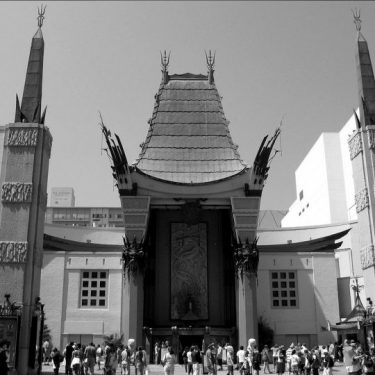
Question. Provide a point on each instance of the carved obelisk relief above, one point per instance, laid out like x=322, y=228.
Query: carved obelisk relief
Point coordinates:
x=361, y=147
x=23, y=180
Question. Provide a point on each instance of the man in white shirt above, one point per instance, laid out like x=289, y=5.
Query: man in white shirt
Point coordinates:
x=241, y=359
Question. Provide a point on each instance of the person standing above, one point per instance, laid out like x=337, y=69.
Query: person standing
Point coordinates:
x=210, y=359
x=230, y=361
x=4, y=352
x=280, y=361
x=219, y=357
x=240, y=359
x=125, y=361
x=196, y=360
x=256, y=360
x=190, y=360
x=275, y=350
x=99, y=355
x=68, y=352
x=169, y=361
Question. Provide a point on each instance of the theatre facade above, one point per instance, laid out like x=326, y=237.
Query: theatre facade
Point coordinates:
x=190, y=268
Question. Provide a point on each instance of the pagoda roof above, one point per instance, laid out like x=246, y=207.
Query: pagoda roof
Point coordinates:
x=188, y=141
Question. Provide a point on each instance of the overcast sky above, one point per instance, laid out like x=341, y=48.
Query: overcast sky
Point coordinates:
x=274, y=60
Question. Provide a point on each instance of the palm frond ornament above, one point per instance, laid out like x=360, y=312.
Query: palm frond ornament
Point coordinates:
x=133, y=258
x=246, y=257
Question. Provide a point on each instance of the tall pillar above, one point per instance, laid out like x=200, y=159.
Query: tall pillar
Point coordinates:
x=132, y=310
x=23, y=181
x=245, y=212
x=136, y=213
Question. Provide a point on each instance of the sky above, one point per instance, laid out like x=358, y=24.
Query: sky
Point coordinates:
x=275, y=61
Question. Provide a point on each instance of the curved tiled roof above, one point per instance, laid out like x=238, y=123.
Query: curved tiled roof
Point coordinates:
x=188, y=140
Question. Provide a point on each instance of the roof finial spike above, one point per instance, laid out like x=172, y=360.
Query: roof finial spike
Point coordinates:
x=164, y=65
x=165, y=60
x=40, y=17
x=357, y=19
x=210, y=59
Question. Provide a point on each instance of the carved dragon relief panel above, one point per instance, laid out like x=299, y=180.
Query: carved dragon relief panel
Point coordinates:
x=189, y=285
x=16, y=192
x=13, y=252
x=367, y=257
x=23, y=137
x=355, y=146
x=361, y=200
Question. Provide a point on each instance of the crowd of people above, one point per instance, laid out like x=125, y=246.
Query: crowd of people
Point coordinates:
x=292, y=360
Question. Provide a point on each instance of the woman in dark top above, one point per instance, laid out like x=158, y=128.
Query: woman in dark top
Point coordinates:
x=4, y=357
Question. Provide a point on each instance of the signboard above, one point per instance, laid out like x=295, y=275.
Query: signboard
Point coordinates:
x=9, y=326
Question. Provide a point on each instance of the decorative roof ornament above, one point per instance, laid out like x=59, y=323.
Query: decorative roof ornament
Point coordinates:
x=41, y=17
x=210, y=59
x=357, y=19
x=164, y=65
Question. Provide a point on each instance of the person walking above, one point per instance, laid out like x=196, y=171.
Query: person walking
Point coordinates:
x=90, y=358
x=140, y=361
x=57, y=358
x=184, y=358
x=169, y=361
x=210, y=359
x=125, y=361
x=77, y=360
x=266, y=359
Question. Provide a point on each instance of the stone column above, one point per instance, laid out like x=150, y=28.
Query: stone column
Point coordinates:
x=247, y=308
x=132, y=310
x=24, y=173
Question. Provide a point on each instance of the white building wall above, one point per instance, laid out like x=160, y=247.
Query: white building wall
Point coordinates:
x=311, y=206
x=326, y=178
x=317, y=296
x=60, y=292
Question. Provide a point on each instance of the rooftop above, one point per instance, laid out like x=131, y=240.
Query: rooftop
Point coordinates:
x=188, y=141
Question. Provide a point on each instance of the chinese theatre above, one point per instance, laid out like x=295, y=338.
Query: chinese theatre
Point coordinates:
x=190, y=209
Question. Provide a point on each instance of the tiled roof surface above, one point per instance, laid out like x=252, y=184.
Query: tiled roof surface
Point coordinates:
x=188, y=140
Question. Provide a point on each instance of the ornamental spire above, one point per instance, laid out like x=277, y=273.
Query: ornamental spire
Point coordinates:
x=365, y=76
x=164, y=65
x=40, y=17
x=210, y=59
x=31, y=105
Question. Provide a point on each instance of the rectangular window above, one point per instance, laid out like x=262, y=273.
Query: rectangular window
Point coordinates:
x=94, y=294
x=284, y=289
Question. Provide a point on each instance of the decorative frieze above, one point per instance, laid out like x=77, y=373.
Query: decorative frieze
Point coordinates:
x=367, y=257
x=23, y=137
x=13, y=252
x=16, y=192
x=355, y=145
x=361, y=200
x=371, y=138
